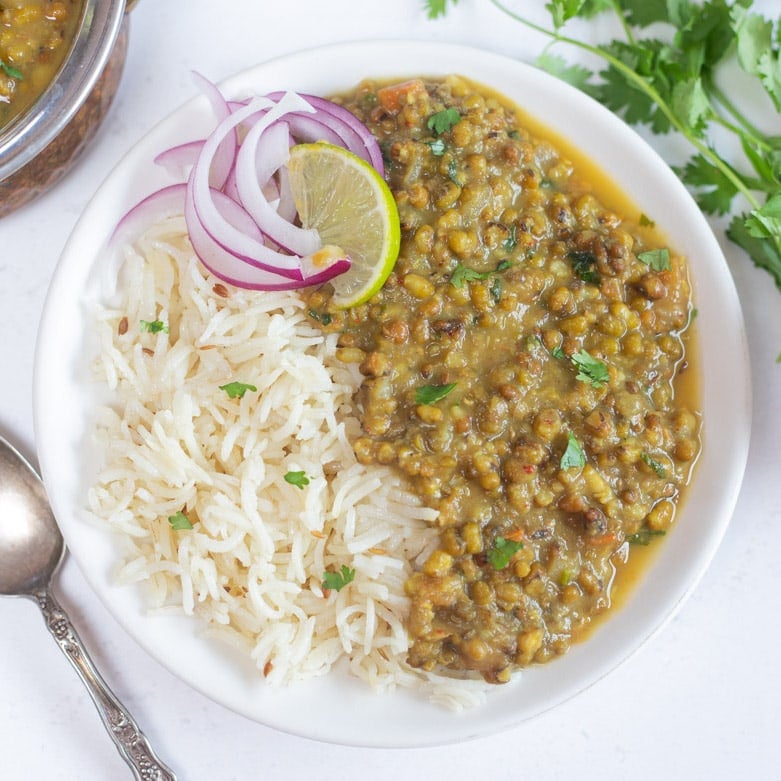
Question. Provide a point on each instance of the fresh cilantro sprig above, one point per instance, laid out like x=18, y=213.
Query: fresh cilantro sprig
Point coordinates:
x=669, y=83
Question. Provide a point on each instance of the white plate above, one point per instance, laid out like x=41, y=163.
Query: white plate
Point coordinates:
x=62, y=401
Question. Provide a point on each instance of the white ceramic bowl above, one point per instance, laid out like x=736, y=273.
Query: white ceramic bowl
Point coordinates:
x=62, y=401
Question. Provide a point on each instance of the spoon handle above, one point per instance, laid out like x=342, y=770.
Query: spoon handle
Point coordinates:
x=131, y=743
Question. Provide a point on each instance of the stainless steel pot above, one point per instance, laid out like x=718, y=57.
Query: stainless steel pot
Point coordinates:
x=39, y=147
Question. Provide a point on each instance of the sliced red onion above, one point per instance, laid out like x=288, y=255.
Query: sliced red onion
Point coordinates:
x=178, y=159
x=160, y=205
x=237, y=201
x=249, y=249
x=228, y=267
x=264, y=151
x=224, y=157
x=357, y=137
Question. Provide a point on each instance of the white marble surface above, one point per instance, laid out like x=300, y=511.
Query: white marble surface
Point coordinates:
x=700, y=701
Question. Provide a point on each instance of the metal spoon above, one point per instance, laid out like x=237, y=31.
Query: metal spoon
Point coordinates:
x=31, y=549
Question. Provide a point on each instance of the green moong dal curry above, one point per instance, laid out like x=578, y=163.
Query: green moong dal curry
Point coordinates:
x=527, y=367
x=35, y=38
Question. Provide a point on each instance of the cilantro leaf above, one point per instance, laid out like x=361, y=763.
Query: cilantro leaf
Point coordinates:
x=336, y=581
x=713, y=190
x=501, y=553
x=756, y=53
x=653, y=464
x=236, y=390
x=297, y=478
x=153, y=326
x=644, y=536
x=443, y=120
x=590, y=369
x=765, y=222
x=643, y=13
x=657, y=259
x=573, y=456
x=646, y=221
x=583, y=263
x=563, y=10
x=764, y=252
x=511, y=242
x=576, y=75
x=437, y=146
x=322, y=317
x=462, y=274
x=691, y=104
x=452, y=173
x=179, y=521
x=557, y=352
x=10, y=71
x=429, y=394
x=436, y=8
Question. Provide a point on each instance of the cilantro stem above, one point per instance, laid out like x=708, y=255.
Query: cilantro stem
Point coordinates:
x=746, y=128
x=639, y=82
x=627, y=29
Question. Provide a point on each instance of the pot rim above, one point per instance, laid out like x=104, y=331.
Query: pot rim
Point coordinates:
x=27, y=135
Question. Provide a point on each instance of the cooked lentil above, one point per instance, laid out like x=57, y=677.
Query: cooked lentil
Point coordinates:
x=557, y=427
x=35, y=37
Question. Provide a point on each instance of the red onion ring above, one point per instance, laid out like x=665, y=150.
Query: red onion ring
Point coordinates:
x=237, y=203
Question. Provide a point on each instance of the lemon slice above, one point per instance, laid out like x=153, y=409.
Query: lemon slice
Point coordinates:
x=347, y=201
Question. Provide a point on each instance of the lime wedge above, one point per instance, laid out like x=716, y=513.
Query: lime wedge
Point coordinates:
x=347, y=201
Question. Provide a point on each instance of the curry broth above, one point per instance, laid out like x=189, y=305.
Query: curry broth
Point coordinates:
x=35, y=38
x=516, y=267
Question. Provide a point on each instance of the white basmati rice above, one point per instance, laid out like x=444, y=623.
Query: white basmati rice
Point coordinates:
x=251, y=568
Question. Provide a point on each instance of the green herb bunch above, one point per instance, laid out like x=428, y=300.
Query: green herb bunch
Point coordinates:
x=669, y=83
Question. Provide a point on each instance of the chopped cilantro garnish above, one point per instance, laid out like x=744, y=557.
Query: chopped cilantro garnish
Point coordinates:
x=153, y=326
x=583, y=263
x=646, y=221
x=452, y=173
x=510, y=243
x=437, y=147
x=179, y=521
x=428, y=394
x=297, y=478
x=10, y=71
x=443, y=121
x=336, y=581
x=502, y=552
x=590, y=369
x=557, y=352
x=321, y=317
x=236, y=390
x=495, y=289
x=653, y=464
x=573, y=455
x=463, y=273
x=644, y=536
x=657, y=259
